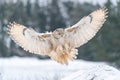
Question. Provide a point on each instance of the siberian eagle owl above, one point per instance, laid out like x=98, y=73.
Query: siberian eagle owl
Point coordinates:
x=60, y=45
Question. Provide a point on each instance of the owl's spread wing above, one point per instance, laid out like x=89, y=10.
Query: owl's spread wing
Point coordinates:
x=29, y=39
x=86, y=28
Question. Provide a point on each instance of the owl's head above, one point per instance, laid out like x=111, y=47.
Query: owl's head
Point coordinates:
x=58, y=33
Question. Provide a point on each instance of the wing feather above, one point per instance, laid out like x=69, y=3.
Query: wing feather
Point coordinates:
x=86, y=28
x=29, y=39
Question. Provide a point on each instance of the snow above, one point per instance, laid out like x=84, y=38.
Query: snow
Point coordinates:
x=33, y=69
x=97, y=72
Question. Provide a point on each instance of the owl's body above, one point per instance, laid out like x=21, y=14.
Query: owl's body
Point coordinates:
x=60, y=44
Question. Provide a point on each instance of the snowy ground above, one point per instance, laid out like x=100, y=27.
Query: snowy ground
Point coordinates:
x=34, y=69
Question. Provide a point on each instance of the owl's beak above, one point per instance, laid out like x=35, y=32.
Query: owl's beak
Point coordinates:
x=62, y=35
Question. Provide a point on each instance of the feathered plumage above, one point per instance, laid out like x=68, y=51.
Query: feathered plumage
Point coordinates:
x=60, y=44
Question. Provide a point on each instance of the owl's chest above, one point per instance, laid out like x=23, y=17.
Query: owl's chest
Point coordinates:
x=59, y=41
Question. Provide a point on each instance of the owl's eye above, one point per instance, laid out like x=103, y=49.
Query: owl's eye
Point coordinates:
x=58, y=33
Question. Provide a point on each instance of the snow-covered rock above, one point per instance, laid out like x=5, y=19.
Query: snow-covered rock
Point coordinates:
x=97, y=72
x=34, y=69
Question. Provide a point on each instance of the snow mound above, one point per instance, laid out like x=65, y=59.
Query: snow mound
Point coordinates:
x=96, y=72
x=34, y=69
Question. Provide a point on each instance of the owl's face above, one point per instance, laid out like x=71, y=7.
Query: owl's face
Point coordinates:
x=58, y=33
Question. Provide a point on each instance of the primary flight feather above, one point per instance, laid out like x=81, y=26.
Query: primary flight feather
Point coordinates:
x=60, y=44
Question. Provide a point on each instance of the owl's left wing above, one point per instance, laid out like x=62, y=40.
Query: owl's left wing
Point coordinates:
x=86, y=28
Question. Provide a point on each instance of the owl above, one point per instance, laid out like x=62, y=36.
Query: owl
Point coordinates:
x=61, y=44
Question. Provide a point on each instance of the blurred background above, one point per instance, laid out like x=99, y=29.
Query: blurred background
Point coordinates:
x=47, y=15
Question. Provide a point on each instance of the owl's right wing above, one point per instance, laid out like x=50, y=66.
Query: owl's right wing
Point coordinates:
x=29, y=39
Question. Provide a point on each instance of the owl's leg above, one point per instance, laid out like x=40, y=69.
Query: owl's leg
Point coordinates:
x=63, y=59
x=61, y=55
x=58, y=56
x=71, y=52
x=68, y=55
